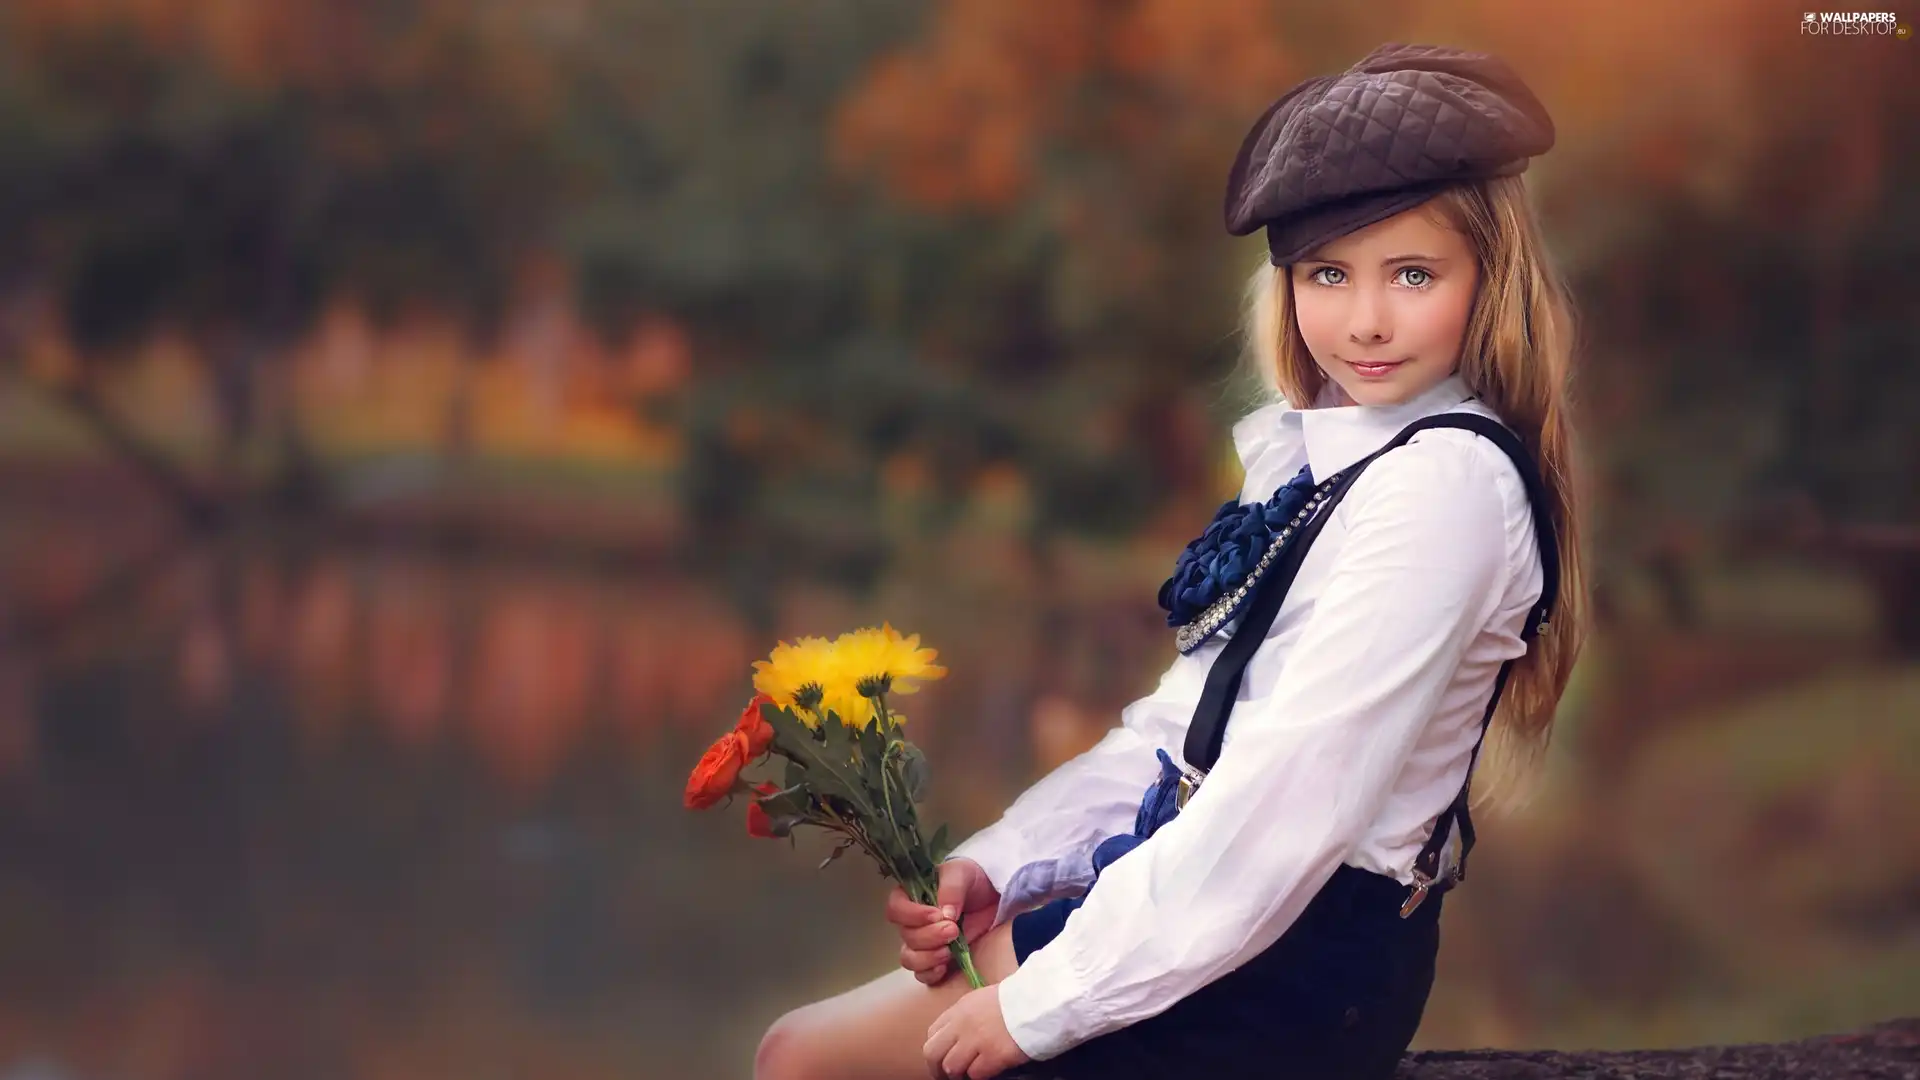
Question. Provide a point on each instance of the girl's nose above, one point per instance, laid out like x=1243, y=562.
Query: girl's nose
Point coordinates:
x=1368, y=324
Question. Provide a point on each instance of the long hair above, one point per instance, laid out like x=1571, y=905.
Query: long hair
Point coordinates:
x=1516, y=356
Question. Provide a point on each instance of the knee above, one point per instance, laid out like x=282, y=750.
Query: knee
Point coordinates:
x=786, y=1051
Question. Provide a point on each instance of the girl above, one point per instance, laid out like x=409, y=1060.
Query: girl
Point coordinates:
x=1374, y=602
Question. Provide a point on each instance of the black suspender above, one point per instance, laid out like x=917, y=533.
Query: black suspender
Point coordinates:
x=1208, y=729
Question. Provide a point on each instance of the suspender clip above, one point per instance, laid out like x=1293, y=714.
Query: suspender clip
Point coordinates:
x=1421, y=883
x=1189, y=783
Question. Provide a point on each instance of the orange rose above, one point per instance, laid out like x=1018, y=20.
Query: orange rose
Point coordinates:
x=759, y=733
x=758, y=823
x=719, y=769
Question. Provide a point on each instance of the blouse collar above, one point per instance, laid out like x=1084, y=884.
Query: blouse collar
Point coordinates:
x=1335, y=436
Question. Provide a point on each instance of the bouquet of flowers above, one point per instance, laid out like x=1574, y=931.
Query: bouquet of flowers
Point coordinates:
x=821, y=707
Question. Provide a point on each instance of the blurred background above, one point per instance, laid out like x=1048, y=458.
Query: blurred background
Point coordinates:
x=415, y=415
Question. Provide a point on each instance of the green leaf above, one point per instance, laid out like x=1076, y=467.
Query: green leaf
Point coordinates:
x=873, y=743
x=937, y=847
x=839, y=740
x=824, y=759
x=904, y=821
x=792, y=802
x=835, y=853
x=913, y=767
x=783, y=824
x=790, y=806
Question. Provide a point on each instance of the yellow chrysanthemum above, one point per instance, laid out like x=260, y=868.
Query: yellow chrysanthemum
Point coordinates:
x=885, y=660
x=847, y=704
x=803, y=675
x=817, y=676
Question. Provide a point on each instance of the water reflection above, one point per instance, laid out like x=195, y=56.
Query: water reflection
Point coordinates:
x=306, y=812
x=276, y=805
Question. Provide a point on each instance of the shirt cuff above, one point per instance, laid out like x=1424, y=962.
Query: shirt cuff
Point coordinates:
x=999, y=856
x=1021, y=884
x=1045, y=1006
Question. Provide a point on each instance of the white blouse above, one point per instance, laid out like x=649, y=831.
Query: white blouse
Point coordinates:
x=1350, y=735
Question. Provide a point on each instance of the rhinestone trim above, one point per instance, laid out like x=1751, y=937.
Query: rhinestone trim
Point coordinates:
x=1189, y=636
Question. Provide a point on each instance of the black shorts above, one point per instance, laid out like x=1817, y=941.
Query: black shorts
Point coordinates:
x=1340, y=995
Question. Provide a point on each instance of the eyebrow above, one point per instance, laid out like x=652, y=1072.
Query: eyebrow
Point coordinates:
x=1384, y=262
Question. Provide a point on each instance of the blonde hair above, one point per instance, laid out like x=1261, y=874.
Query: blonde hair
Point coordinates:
x=1515, y=356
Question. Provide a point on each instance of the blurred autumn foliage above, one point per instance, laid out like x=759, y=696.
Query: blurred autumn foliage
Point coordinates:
x=415, y=414
x=980, y=232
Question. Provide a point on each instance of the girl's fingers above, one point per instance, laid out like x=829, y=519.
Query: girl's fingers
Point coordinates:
x=902, y=911
x=959, y=1059
x=929, y=937
x=939, y=1041
x=919, y=960
x=932, y=976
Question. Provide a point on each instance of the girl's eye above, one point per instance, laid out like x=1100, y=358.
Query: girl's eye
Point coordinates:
x=1422, y=281
x=1317, y=279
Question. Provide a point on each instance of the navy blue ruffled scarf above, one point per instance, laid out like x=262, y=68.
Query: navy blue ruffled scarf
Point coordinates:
x=1216, y=562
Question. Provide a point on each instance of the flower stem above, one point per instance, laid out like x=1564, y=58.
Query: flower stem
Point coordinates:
x=926, y=892
x=964, y=957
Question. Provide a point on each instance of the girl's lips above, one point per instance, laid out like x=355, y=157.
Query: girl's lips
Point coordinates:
x=1374, y=370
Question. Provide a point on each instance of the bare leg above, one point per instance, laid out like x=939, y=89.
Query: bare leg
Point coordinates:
x=875, y=1031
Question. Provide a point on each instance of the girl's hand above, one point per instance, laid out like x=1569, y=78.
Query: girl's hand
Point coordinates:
x=970, y=1039
x=967, y=901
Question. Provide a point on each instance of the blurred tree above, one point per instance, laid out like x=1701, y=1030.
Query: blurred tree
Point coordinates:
x=224, y=185
x=970, y=232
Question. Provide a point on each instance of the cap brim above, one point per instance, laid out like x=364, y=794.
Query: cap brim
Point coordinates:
x=1292, y=239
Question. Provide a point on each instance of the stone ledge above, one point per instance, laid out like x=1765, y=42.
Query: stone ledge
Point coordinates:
x=1885, y=1051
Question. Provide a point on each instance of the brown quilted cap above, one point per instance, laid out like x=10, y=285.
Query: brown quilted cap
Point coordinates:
x=1340, y=152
